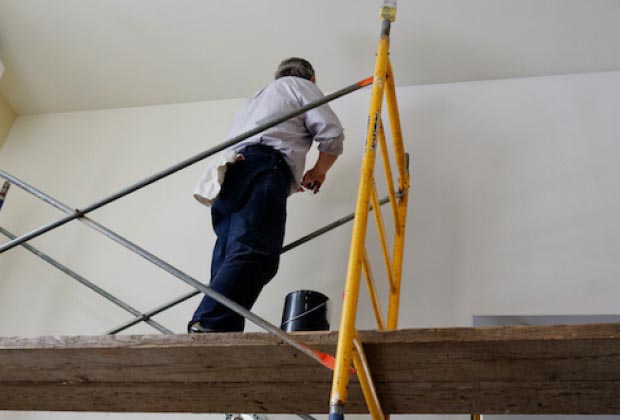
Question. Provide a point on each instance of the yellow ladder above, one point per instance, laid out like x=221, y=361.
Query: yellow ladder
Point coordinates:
x=350, y=349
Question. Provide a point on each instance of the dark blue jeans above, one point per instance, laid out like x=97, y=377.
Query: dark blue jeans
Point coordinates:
x=248, y=218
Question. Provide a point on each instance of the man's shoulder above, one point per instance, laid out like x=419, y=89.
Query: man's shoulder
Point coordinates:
x=289, y=88
x=296, y=83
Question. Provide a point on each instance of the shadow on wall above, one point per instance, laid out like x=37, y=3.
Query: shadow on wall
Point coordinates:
x=7, y=117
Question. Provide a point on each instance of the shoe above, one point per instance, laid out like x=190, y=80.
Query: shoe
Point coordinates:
x=196, y=328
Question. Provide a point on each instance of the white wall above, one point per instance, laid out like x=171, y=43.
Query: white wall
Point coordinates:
x=514, y=208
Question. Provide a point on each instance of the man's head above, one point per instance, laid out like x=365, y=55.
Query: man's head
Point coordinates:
x=295, y=66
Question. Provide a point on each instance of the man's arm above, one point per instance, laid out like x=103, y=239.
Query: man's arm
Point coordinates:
x=314, y=178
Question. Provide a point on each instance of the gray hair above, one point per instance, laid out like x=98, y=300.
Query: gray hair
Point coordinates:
x=295, y=66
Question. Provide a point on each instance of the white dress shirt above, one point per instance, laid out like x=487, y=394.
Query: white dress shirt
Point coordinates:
x=292, y=138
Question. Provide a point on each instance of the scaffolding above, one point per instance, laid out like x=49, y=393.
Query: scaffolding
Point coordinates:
x=350, y=350
x=537, y=370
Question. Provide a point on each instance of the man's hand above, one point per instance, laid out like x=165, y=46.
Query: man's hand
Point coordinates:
x=314, y=178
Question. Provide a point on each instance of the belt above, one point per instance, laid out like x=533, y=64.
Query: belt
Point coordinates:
x=270, y=150
x=260, y=148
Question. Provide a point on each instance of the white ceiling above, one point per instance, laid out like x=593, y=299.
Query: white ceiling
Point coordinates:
x=66, y=55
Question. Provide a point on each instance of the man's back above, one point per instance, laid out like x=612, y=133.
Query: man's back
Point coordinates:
x=292, y=138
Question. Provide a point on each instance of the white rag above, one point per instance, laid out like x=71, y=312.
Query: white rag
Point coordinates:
x=210, y=183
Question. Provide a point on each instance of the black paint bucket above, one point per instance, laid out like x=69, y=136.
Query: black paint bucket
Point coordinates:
x=305, y=310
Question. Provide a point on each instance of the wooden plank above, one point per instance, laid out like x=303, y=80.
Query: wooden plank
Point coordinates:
x=535, y=370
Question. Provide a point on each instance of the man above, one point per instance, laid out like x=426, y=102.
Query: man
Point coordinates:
x=250, y=212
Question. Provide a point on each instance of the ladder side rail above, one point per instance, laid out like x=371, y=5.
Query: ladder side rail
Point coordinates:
x=344, y=350
x=395, y=128
x=402, y=160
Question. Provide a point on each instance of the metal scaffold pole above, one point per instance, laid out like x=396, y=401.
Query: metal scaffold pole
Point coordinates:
x=75, y=214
